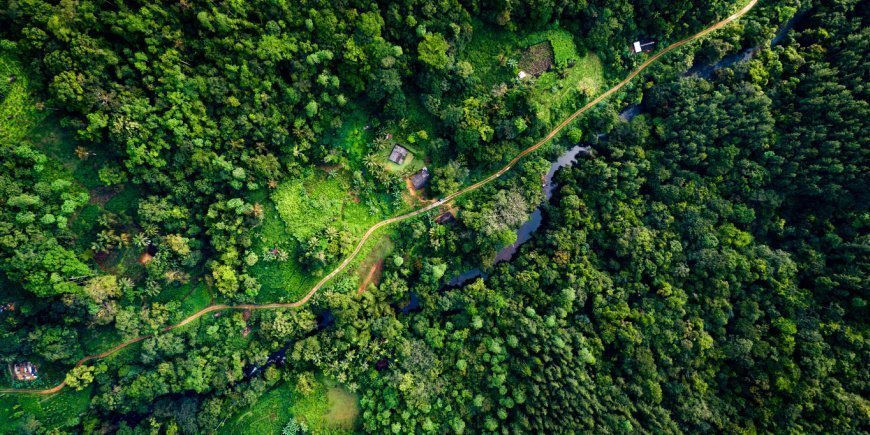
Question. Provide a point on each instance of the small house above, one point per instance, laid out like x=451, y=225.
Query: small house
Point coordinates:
x=445, y=218
x=643, y=46
x=419, y=179
x=522, y=75
x=398, y=154
x=24, y=371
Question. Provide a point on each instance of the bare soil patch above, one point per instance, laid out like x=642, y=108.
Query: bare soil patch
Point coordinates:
x=537, y=59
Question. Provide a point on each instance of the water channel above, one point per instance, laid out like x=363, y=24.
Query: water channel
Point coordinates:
x=524, y=233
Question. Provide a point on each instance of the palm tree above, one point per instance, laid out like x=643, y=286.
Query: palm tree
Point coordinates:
x=124, y=239
x=82, y=153
x=150, y=229
x=141, y=240
x=125, y=284
x=98, y=246
x=371, y=161
x=257, y=210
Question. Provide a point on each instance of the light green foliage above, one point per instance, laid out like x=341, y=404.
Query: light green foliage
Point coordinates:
x=324, y=409
x=60, y=410
x=432, y=51
x=80, y=377
x=312, y=204
x=556, y=95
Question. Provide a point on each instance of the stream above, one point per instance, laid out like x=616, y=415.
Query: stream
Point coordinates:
x=705, y=71
x=324, y=320
x=524, y=233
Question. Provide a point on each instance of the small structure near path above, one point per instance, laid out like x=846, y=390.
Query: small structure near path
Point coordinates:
x=420, y=179
x=642, y=46
x=398, y=154
x=24, y=371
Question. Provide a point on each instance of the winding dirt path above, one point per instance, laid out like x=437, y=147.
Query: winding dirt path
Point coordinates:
x=409, y=215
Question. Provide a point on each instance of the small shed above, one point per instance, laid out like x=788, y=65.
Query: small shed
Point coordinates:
x=445, y=218
x=643, y=46
x=419, y=179
x=522, y=75
x=24, y=371
x=398, y=154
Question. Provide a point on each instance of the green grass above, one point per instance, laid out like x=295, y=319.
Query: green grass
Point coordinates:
x=17, y=103
x=562, y=42
x=281, y=282
x=53, y=412
x=311, y=204
x=555, y=94
x=328, y=409
x=193, y=297
x=414, y=161
x=295, y=211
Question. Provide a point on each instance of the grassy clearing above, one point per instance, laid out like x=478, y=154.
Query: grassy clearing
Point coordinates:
x=307, y=206
x=343, y=408
x=56, y=411
x=380, y=248
x=193, y=297
x=297, y=210
x=554, y=92
x=562, y=43
x=328, y=409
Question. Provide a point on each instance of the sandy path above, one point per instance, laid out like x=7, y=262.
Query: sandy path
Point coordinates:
x=414, y=213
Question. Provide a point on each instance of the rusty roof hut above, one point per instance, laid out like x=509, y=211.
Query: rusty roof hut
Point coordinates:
x=420, y=179
x=24, y=371
x=398, y=154
x=445, y=218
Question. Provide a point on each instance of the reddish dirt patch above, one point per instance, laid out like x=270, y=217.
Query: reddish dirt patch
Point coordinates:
x=416, y=193
x=101, y=195
x=145, y=258
x=327, y=168
x=374, y=277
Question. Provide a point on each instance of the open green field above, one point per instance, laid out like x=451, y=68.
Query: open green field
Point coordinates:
x=353, y=138
x=297, y=210
x=53, y=412
x=574, y=75
x=327, y=409
x=553, y=91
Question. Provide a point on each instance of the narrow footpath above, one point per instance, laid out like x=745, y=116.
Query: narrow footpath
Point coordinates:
x=383, y=223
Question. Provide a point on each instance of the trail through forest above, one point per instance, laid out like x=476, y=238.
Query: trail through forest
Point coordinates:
x=552, y=134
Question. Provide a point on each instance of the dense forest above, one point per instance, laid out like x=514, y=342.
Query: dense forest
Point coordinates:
x=701, y=265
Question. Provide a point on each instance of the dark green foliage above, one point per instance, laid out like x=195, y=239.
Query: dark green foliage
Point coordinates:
x=703, y=270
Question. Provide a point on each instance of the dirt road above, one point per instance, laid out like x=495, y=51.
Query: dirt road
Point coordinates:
x=414, y=213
